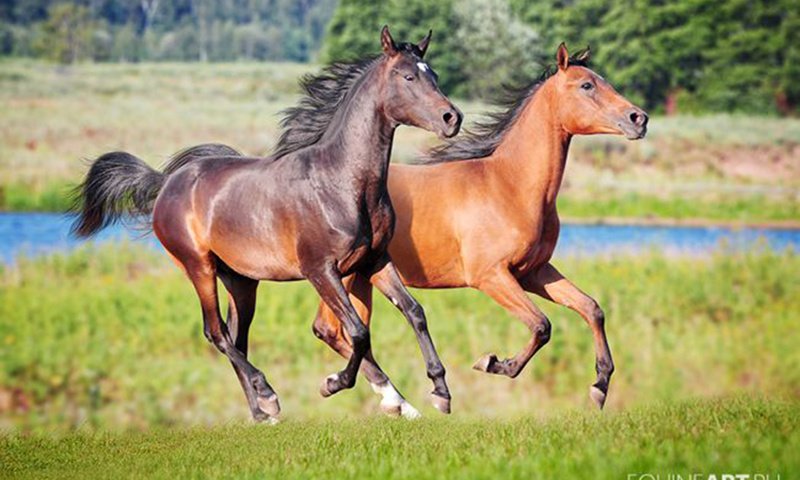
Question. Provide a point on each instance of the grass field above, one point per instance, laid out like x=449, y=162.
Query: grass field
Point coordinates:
x=731, y=436
x=114, y=341
x=718, y=167
x=105, y=372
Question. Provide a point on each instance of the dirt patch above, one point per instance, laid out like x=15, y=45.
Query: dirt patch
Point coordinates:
x=683, y=159
x=765, y=164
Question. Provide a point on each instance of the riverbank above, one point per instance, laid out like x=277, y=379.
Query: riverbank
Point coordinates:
x=35, y=234
x=791, y=224
x=612, y=208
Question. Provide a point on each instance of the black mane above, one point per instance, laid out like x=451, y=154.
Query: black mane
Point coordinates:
x=304, y=124
x=484, y=138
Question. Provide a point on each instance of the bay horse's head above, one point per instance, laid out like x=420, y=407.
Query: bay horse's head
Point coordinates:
x=587, y=104
x=411, y=91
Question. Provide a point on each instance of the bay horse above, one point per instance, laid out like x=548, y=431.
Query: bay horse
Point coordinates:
x=317, y=209
x=480, y=212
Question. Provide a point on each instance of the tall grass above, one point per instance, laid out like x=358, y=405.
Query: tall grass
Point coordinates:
x=53, y=117
x=113, y=339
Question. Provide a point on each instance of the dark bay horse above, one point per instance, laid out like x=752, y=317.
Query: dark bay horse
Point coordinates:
x=481, y=212
x=318, y=208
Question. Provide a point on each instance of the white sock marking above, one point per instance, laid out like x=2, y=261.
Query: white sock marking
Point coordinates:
x=392, y=398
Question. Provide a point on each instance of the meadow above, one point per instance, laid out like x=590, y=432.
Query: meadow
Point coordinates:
x=114, y=340
x=105, y=372
x=703, y=438
x=718, y=167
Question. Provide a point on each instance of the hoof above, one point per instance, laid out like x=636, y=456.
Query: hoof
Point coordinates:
x=270, y=406
x=485, y=363
x=261, y=418
x=440, y=403
x=392, y=410
x=404, y=410
x=408, y=411
x=329, y=386
x=598, y=396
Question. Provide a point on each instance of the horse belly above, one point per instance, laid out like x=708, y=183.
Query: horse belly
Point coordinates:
x=427, y=264
x=265, y=263
x=258, y=252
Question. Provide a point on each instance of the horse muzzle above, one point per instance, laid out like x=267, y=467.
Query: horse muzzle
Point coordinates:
x=634, y=124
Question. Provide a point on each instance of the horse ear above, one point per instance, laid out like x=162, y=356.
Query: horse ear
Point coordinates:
x=387, y=42
x=423, y=44
x=585, y=55
x=562, y=57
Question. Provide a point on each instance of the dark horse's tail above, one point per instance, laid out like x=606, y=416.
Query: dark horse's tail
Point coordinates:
x=119, y=184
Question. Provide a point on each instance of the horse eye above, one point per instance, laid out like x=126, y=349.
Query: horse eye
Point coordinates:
x=587, y=86
x=410, y=78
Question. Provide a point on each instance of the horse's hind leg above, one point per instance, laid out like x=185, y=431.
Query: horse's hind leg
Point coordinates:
x=241, y=308
x=548, y=283
x=505, y=290
x=202, y=273
x=328, y=329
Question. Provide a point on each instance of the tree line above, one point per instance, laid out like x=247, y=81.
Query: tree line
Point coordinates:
x=684, y=56
x=177, y=30
x=669, y=56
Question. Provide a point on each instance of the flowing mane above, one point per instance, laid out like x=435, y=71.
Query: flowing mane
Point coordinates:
x=304, y=124
x=484, y=138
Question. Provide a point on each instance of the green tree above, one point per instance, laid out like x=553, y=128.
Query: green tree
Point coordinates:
x=125, y=46
x=693, y=55
x=499, y=47
x=745, y=69
x=476, y=45
x=67, y=33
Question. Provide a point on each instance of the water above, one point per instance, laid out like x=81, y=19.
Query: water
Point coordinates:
x=34, y=234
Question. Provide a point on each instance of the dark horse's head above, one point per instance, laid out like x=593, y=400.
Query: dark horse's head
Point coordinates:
x=413, y=96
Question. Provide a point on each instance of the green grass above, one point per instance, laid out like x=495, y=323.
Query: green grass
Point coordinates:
x=104, y=372
x=55, y=116
x=729, y=436
x=114, y=341
x=752, y=208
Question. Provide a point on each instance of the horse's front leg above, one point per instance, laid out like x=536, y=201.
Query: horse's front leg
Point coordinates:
x=328, y=329
x=387, y=280
x=548, y=283
x=328, y=282
x=506, y=291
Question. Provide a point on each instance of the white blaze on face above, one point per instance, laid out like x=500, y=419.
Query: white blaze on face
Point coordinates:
x=423, y=66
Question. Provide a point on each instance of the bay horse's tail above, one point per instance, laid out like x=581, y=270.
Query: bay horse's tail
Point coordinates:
x=119, y=184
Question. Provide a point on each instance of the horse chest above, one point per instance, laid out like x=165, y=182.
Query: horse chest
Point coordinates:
x=372, y=238
x=381, y=226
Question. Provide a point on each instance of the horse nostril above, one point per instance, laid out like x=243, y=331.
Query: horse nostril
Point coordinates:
x=638, y=118
x=448, y=118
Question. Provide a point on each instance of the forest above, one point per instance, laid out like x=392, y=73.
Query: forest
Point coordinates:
x=691, y=56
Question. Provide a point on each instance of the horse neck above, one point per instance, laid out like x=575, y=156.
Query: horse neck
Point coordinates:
x=361, y=135
x=533, y=153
